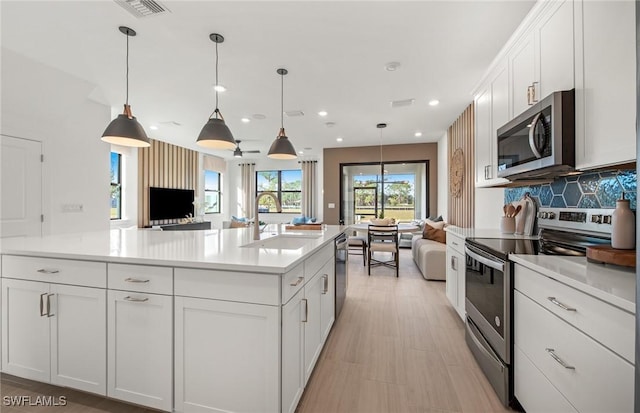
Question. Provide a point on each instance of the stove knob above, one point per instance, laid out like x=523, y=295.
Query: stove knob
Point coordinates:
x=606, y=219
x=542, y=215
x=551, y=215
x=596, y=219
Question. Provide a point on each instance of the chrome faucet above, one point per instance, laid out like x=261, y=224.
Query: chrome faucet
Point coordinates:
x=256, y=223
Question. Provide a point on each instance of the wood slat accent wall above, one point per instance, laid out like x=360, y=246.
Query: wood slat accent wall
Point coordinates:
x=167, y=166
x=462, y=135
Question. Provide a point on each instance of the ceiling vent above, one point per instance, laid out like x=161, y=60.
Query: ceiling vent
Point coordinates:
x=401, y=103
x=294, y=113
x=142, y=8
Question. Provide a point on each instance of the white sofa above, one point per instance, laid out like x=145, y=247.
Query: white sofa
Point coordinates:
x=430, y=256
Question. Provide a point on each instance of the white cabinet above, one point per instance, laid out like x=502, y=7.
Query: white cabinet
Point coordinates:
x=570, y=347
x=312, y=327
x=541, y=62
x=55, y=333
x=605, y=83
x=455, y=287
x=491, y=112
x=328, y=299
x=293, y=377
x=227, y=356
x=140, y=358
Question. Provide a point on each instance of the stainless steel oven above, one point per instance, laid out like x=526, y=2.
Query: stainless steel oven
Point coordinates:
x=488, y=306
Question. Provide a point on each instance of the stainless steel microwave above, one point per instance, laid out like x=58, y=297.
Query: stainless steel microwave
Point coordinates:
x=540, y=143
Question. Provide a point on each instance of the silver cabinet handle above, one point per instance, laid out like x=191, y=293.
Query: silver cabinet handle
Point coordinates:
x=453, y=263
x=533, y=93
x=305, y=310
x=135, y=280
x=42, y=313
x=530, y=95
x=559, y=304
x=135, y=300
x=46, y=271
x=454, y=243
x=298, y=281
x=325, y=284
x=49, y=305
x=487, y=170
x=558, y=359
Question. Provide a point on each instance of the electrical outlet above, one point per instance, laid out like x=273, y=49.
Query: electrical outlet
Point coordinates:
x=331, y=205
x=72, y=208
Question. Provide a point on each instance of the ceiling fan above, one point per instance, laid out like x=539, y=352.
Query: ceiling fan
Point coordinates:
x=237, y=152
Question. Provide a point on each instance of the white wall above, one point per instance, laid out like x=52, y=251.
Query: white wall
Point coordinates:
x=232, y=199
x=44, y=104
x=489, y=203
x=443, y=176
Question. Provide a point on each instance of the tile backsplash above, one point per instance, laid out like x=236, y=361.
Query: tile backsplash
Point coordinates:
x=592, y=190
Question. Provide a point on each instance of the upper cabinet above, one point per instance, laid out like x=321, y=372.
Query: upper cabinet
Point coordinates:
x=605, y=83
x=562, y=45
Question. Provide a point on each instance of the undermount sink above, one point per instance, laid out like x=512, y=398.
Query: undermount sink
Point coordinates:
x=282, y=242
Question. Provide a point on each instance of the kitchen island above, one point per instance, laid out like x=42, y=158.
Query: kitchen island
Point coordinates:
x=183, y=321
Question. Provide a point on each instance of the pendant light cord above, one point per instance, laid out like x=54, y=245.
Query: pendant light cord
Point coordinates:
x=282, y=101
x=127, y=98
x=216, y=86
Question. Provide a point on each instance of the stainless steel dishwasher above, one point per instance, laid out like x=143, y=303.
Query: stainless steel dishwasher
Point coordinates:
x=342, y=268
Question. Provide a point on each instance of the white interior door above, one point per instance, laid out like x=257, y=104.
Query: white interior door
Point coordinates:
x=20, y=187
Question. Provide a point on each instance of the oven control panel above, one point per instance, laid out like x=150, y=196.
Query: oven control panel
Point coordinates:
x=590, y=220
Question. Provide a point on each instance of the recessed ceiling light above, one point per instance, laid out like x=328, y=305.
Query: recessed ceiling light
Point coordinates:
x=307, y=148
x=300, y=152
x=245, y=120
x=322, y=113
x=330, y=124
x=258, y=116
x=434, y=102
x=219, y=88
x=338, y=139
x=392, y=66
x=153, y=127
x=417, y=134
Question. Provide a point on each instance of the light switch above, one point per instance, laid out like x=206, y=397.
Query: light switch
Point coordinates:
x=331, y=205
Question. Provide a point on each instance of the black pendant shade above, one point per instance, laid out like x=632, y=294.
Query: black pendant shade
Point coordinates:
x=282, y=148
x=215, y=134
x=125, y=129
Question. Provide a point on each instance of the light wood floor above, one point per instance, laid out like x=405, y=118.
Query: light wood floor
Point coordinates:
x=398, y=346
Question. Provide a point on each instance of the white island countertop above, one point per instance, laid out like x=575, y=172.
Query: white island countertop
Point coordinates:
x=484, y=233
x=209, y=249
x=611, y=284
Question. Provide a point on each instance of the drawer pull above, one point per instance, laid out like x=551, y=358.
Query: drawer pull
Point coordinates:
x=135, y=280
x=135, y=300
x=454, y=243
x=559, y=304
x=46, y=271
x=298, y=281
x=558, y=359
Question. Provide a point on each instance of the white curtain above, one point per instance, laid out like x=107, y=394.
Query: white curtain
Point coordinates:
x=309, y=183
x=248, y=188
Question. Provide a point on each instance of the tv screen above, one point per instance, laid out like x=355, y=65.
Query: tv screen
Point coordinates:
x=168, y=203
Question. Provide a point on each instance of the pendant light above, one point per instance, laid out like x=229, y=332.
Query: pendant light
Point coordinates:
x=215, y=134
x=282, y=148
x=125, y=129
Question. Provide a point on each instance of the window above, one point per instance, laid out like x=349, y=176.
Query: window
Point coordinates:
x=116, y=185
x=212, y=194
x=287, y=185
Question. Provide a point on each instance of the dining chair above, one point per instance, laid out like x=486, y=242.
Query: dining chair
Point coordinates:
x=358, y=246
x=383, y=238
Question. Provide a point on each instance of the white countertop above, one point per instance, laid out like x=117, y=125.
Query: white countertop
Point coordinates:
x=484, y=233
x=210, y=249
x=614, y=285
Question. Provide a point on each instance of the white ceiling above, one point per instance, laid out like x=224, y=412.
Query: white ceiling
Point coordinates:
x=335, y=51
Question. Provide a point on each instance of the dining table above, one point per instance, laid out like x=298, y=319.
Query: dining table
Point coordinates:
x=402, y=227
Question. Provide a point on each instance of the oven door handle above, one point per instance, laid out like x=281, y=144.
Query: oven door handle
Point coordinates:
x=498, y=265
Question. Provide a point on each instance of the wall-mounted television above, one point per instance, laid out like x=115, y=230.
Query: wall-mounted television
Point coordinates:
x=169, y=203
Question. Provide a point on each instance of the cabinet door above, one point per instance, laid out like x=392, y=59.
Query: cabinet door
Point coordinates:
x=483, y=135
x=312, y=327
x=499, y=116
x=452, y=278
x=292, y=352
x=327, y=299
x=459, y=263
x=605, y=84
x=140, y=348
x=556, y=51
x=25, y=329
x=227, y=356
x=78, y=337
x=522, y=65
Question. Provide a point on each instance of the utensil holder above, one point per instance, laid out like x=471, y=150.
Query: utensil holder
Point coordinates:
x=507, y=225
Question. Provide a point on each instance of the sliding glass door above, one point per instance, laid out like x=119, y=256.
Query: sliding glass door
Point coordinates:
x=394, y=190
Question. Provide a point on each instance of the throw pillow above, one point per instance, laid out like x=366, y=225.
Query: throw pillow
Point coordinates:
x=237, y=219
x=436, y=219
x=299, y=220
x=434, y=234
x=435, y=224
